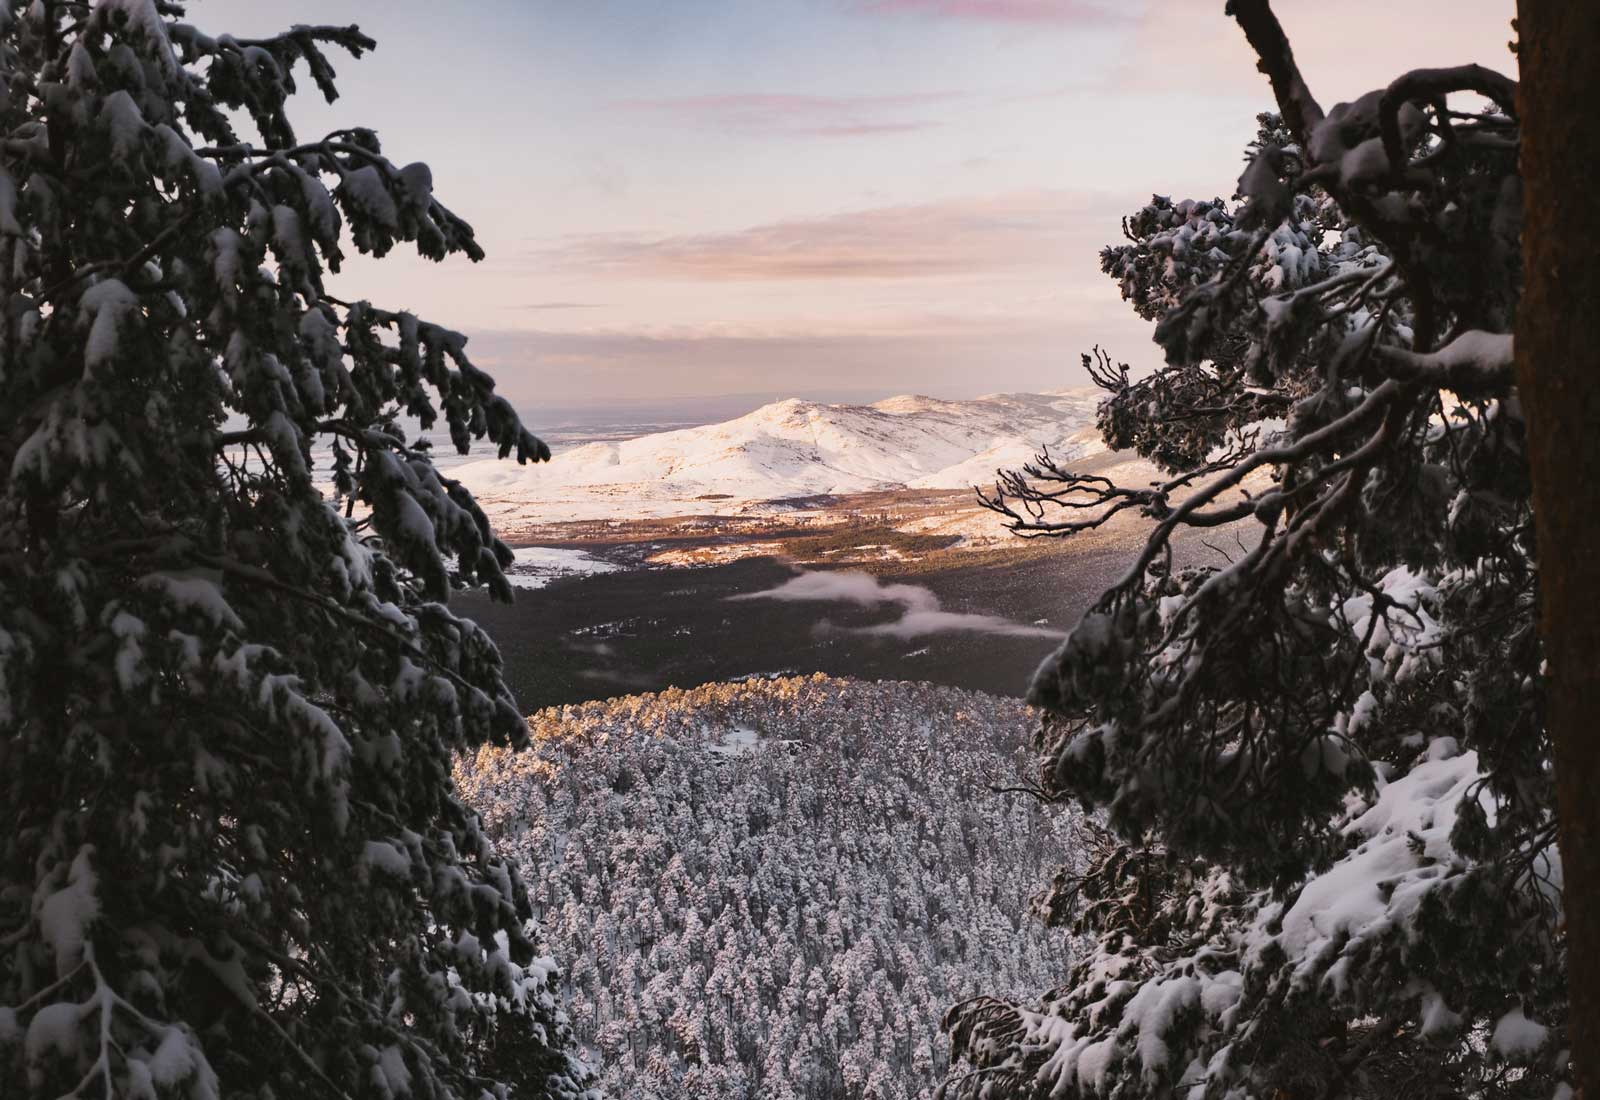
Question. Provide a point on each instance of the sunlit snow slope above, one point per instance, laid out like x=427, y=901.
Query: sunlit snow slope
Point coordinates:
x=794, y=449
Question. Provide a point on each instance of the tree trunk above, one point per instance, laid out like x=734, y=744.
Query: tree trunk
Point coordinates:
x=1558, y=375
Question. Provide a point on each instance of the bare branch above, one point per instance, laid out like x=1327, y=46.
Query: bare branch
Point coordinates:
x=1301, y=112
x=1433, y=85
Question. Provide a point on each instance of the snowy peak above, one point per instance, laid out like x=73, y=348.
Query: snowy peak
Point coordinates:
x=797, y=448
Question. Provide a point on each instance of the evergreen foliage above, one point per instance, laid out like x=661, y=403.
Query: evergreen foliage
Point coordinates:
x=1331, y=866
x=232, y=863
x=773, y=888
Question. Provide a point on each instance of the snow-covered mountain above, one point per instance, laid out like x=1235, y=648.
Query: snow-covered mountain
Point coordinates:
x=794, y=449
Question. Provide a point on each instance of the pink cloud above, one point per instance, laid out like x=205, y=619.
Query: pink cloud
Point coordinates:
x=535, y=368
x=1003, y=11
x=803, y=115
x=1344, y=49
x=864, y=129
x=963, y=237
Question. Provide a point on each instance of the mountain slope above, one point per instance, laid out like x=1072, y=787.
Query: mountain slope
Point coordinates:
x=800, y=448
x=775, y=888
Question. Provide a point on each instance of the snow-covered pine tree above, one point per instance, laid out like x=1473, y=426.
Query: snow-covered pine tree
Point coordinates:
x=1321, y=755
x=231, y=862
x=774, y=888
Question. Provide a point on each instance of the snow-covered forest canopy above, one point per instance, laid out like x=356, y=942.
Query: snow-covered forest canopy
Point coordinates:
x=1324, y=757
x=775, y=888
x=232, y=863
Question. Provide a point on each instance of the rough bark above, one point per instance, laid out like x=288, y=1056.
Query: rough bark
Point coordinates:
x=1558, y=374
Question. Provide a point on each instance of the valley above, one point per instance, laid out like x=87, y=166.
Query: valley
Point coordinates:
x=645, y=630
x=774, y=693
x=654, y=593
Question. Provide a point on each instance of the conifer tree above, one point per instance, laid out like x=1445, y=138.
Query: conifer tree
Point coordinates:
x=825, y=920
x=1312, y=708
x=231, y=862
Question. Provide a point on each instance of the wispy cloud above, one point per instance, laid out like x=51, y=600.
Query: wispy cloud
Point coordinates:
x=955, y=237
x=865, y=129
x=920, y=612
x=795, y=115
x=811, y=345
x=815, y=353
x=1004, y=11
x=559, y=305
x=1176, y=50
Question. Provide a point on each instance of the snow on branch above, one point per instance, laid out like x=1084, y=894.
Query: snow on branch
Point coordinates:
x=1472, y=363
x=220, y=692
x=1326, y=722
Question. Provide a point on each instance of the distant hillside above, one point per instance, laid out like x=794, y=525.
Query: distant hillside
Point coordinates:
x=794, y=449
x=775, y=888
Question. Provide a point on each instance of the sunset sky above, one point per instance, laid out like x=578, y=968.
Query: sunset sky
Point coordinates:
x=839, y=199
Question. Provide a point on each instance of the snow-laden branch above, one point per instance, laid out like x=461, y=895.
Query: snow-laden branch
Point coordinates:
x=1474, y=362
x=1271, y=718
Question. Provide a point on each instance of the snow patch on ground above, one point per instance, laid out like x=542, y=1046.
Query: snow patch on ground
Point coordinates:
x=738, y=740
x=537, y=566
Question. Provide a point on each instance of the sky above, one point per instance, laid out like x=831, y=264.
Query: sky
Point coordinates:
x=697, y=202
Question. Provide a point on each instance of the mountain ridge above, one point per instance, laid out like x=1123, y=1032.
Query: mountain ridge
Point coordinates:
x=798, y=448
